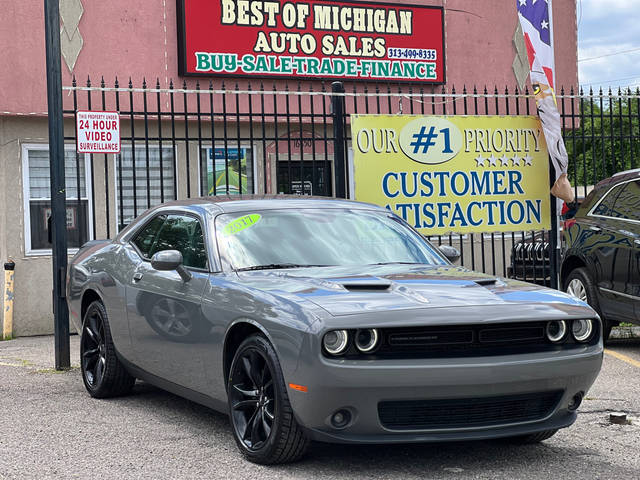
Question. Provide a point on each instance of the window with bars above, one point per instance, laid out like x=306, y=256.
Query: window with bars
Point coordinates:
x=38, y=198
x=226, y=171
x=154, y=177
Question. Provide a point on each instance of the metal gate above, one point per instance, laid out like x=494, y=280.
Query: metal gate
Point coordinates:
x=196, y=140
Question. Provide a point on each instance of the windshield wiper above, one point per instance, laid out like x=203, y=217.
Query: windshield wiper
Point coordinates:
x=397, y=263
x=276, y=266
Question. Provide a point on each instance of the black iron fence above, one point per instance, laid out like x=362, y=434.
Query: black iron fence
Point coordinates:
x=196, y=140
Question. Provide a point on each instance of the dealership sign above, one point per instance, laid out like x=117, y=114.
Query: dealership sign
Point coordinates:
x=97, y=132
x=454, y=174
x=313, y=39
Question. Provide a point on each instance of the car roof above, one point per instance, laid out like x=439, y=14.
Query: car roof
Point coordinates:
x=618, y=178
x=240, y=203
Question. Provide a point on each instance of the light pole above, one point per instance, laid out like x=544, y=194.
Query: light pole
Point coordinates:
x=58, y=193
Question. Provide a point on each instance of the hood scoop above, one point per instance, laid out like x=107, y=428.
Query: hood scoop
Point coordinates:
x=485, y=282
x=367, y=285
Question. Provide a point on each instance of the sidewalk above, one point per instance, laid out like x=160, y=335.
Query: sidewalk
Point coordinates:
x=36, y=352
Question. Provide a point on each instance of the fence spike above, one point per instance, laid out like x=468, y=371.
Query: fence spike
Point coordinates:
x=184, y=84
x=210, y=84
x=102, y=82
x=197, y=84
x=495, y=89
x=88, y=81
x=157, y=83
x=73, y=81
x=170, y=84
x=116, y=84
x=144, y=83
x=130, y=83
x=581, y=91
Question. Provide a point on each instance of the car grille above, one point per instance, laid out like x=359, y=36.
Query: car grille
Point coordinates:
x=536, y=251
x=464, y=340
x=467, y=412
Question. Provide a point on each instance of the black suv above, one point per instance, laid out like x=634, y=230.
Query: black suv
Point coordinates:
x=601, y=263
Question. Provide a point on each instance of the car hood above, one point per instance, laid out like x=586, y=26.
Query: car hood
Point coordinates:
x=354, y=290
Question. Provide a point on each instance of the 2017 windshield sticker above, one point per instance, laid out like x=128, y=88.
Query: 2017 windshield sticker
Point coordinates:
x=241, y=223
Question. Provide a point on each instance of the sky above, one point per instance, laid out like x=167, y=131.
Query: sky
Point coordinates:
x=610, y=31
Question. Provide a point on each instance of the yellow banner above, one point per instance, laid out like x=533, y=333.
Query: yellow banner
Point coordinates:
x=454, y=174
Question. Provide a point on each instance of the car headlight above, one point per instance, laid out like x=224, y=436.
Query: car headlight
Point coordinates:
x=336, y=341
x=556, y=330
x=582, y=329
x=367, y=339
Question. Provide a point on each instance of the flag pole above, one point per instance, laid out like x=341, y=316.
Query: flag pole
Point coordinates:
x=555, y=218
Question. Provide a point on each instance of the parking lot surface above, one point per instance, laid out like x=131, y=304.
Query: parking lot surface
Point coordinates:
x=51, y=428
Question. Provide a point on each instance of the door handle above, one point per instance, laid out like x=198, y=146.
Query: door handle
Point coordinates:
x=137, y=276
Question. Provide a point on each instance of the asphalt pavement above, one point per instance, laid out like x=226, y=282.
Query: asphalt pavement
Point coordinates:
x=51, y=428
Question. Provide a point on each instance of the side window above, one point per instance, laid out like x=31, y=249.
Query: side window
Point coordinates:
x=605, y=207
x=147, y=236
x=183, y=233
x=628, y=202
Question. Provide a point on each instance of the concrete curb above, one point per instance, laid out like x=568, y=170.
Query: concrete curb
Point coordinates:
x=625, y=332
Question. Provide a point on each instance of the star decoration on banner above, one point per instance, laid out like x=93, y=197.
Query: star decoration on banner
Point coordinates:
x=528, y=160
x=492, y=160
x=516, y=161
x=544, y=24
x=504, y=160
x=479, y=161
x=523, y=2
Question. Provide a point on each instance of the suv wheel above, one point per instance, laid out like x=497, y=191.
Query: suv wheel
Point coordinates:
x=579, y=285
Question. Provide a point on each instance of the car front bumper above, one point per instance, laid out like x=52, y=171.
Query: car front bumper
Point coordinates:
x=359, y=386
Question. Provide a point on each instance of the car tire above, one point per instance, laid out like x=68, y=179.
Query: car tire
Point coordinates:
x=261, y=416
x=579, y=278
x=535, y=437
x=103, y=374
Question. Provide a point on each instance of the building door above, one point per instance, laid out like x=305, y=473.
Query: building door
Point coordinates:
x=305, y=178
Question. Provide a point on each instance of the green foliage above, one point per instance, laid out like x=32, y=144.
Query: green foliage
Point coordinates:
x=607, y=137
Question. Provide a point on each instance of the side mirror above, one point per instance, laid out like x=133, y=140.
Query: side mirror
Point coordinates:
x=452, y=253
x=169, y=260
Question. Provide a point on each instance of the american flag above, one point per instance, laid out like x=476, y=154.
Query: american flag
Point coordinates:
x=534, y=19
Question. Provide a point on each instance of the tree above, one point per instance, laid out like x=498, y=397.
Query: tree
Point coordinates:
x=607, y=140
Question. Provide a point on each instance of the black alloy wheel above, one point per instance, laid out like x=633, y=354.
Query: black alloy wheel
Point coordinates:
x=102, y=373
x=252, y=399
x=261, y=416
x=93, y=349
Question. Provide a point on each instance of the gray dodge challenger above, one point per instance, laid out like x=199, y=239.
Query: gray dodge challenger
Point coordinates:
x=330, y=320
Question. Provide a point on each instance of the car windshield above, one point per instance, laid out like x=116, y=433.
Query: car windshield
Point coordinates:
x=313, y=237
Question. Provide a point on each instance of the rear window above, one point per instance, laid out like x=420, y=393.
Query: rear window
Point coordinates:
x=605, y=206
x=627, y=202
